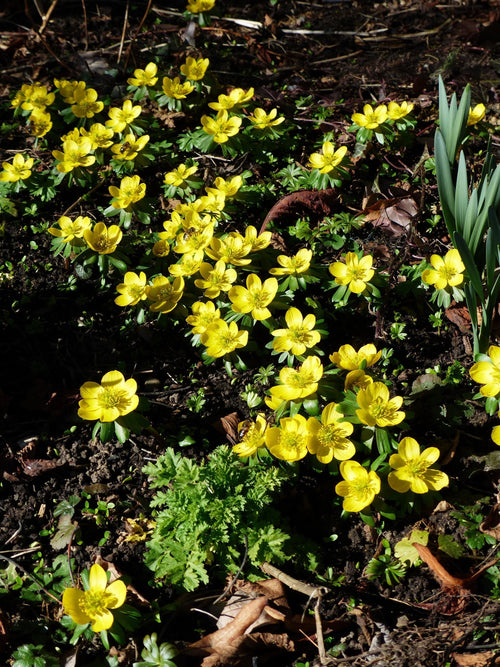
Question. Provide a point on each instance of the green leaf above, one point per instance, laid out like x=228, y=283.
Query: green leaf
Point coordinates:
x=404, y=550
x=451, y=548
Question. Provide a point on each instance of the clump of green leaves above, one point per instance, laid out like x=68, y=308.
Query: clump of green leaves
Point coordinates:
x=212, y=513
x=152, y=654
x=385, y=566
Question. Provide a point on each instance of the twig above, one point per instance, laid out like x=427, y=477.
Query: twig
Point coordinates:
x=294, y=584
x=233, y=580
x=75, y=203
x=319, y=632
x=132, y=41
x=125, y=20
x=85, y=25
x=45, y=19
x=44, y=43
x=30, y=576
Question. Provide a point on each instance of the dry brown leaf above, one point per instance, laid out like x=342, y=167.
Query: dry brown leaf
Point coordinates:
x=491, y=524
x=475, y=659
x=393, y=215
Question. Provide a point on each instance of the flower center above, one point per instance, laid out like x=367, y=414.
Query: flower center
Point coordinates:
x=110, y=398
x=95, y=603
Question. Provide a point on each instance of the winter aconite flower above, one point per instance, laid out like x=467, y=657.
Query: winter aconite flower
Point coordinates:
x=446, y=271
x=39, y=123
x=164, y=294
x=232, y=249
x=377, y=408
x=222, y=126
x=487, y=372
x=113, y=398
x=221, y=338
x=93, y=606
x=289, y=441
x=370, y=118
x=144, y=77
x=412, y=469
x=193, y=69
x=86, y=104
x=99, y=135
x=299, y=334
x=255, y=298
x=69, y=229
x=251, y=436
x=74, y=154
x=18, y=170
x=346, y=357
x=215, y=279
x=129, y=147
x=120, y=119
x=328, y=159
x=236, y=98
x=102, y=239
x=197, y=6
x=476, y=114
x=178, y=176
x=396, y=111
x=204, y=314
x=355, y=273
x=359, y=488
x=132, y=290
x=175, y=89
x=296, y=383
x=131, y=190
x=262, y=120
x=329, y=437
x=292, y=266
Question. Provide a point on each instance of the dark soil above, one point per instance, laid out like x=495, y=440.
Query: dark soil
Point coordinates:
x=344, y=53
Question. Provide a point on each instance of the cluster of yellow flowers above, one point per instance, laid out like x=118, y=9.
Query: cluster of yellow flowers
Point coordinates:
x=487, y=373
x=372, y=118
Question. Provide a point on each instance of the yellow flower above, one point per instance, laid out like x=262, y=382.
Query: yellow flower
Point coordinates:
x=19, y=170
x=130, y=147
x=487, y=373
x=161, y=248
x=99, y=135
x=329, y=437
x=193, y=239
x=113, y=398
x=203, y=315
x=257, y=241
x=131, y=190
x=350, y=360
x=292, y=266
x=355, y=273
x=144, y=77
x=188, y=265
x=226, y=188
x=221, y=338
x=262, y=120
x=376, y=408
x=255, y=298
x=39, y=123
x=296, y=383
x=371, y=118
x=476, y=114
x=74, y=154
x=359, y=488
x=163, y=294
x=495, y=434
x=215, y=279
x=447, y=271
x=221, y=127
x=103, y=239
x=289, y=441
x=197, y=6
x=70, y=229
x=86, y=103
x=36, y=97
x=396, y=111
x=236, y=98
x=175, y=89
x=413, y=471
x=328, y=159
x=132, y=289
x=252, y=436
x=69, y=88
x=120, y=119
x=93, y=606
x=233, y=249
x=193, y=69
x=299, y=335
x=178, y=176
x=357, y=378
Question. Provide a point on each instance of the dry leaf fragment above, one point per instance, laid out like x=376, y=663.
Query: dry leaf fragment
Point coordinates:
x=491, y=524
x=394, y=215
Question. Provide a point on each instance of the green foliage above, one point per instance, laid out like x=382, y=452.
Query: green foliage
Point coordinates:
x=208, y=513
x=386, y=567
x=29, y=655
x=152, y=654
